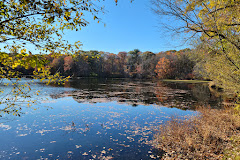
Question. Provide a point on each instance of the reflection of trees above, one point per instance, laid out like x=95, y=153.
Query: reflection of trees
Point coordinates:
x=183, y=96
x=16, y=97
x=204, y=96
x=161, y=92
x=131, y=92
x=173, y=96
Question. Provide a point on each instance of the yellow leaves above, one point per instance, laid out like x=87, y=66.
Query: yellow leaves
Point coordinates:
x=14, y=65
x=190, y=7
x=212, y=4
x=42, y=30
x=23, y=51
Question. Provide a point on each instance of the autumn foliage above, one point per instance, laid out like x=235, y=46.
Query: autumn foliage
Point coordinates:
x=163, y=68
x=134, y=64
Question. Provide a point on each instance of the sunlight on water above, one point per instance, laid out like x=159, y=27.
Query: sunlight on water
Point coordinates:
x=107, y=120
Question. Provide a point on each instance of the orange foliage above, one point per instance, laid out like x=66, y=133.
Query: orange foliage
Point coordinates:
x=68, y=63
x=163, y=68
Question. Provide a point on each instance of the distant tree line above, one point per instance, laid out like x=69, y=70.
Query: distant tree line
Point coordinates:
x=133, y=64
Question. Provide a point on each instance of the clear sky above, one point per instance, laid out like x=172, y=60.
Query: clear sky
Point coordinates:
x=128, y=26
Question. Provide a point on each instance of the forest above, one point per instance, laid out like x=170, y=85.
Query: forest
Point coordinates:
x=133, y=64
x=210, y=27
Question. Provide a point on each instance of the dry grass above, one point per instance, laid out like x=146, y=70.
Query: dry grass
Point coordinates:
x=213, y=134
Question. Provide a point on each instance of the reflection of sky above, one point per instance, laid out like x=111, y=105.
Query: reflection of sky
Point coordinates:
x=83, y=131
x=37, y=92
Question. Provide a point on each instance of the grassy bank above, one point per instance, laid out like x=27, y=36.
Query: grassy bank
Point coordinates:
x=185, y=81
x=213, y=134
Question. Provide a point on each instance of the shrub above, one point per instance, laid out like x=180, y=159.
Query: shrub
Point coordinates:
x=210, y=135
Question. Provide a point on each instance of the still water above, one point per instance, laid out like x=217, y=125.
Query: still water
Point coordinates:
x=98, y=119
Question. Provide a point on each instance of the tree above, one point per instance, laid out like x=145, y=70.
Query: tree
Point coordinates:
x=217, y=23
x=111, y=64
x=132, y=62
x=41, y=24
x=57, y=65
x=68, y=65
x=163, y=68
x=147, y=64
x=122, y=61
x=184, y=65
x=81, y=66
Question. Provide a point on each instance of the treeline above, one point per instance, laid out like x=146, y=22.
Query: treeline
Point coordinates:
x=133, y=64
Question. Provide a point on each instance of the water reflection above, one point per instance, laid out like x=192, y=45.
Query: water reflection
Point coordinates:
x=168, y=94
x=84, y=131
x=99, y=119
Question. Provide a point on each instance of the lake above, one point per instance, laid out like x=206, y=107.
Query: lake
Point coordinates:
x=98, y=118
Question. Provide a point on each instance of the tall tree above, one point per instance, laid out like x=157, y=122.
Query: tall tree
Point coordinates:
x=132, y=62
x=217, y=23
x=122, y=62
x=147, y=64
x=163, y=68
x=68, y=65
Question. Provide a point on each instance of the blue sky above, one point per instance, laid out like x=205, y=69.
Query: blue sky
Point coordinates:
x=128, y=26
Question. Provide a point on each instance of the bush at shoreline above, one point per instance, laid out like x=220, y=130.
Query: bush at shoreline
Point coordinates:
x=213, y=134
